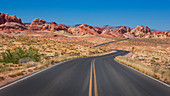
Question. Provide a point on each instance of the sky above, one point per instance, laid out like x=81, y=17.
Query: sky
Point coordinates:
x=152, y=13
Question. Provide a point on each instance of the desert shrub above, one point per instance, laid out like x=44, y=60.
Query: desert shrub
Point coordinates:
x=29, y=64
x=18, y=53
x=41, y=67
x=2, y=78
x=52, y=62
x=47, y=58
x=56, y=54
x=30, y=70
x=36, y=68
x=25, y=60
x=20, y=74
x=2, y=36
x=12, y=75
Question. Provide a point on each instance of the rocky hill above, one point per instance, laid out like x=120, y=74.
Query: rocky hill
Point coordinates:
x=13, y=23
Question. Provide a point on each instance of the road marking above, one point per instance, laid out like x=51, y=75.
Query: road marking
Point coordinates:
x=3, y=87
x=93, y=71
x=142, y=73
x=90, y=84
x=95, y=82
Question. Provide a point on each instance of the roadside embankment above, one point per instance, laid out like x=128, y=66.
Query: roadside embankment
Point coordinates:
x=156, y=72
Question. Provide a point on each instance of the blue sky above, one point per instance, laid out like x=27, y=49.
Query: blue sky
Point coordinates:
x=152, y=13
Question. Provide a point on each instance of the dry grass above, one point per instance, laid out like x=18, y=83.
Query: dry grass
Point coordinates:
x=156, y=72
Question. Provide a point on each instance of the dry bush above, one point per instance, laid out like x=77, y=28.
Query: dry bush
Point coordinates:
x=2, y=78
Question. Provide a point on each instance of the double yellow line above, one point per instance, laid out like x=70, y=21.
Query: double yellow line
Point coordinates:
x=93, y=74
x=93, y=71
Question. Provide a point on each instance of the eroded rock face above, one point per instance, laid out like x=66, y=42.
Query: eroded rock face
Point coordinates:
x=40, y=25
x=12, y=26
x=161, y=34
x=84, y=29
x=38, y=21
x=106, y=31
x=37, y=24
x=123, y=29
x=143, y=29
x=6, y=18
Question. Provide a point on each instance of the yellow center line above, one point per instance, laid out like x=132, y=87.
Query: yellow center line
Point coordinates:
x=95, y=82
x=90, y=84
x=93, y=70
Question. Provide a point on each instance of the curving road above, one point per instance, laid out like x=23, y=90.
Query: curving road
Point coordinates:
x=93, y=76
x=111, y=42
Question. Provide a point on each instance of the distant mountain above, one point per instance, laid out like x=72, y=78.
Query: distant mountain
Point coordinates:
x=111, y=27
x=76, y=25
x=154, y=30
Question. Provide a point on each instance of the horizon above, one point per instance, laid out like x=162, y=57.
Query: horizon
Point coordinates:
x=154, y=14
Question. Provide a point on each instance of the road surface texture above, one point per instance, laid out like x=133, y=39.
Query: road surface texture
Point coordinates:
x=93, y=76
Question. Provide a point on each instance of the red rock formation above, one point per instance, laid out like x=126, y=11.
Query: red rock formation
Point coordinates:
x=37, y=24
x=84, y=29
x=123, y=29
x=38, y=21
x=52, y=23
x=161, y=33
x=40, y=25
x=143, y=29
x=12, y=26
x=106, y=31
x=61, y=27
x=6, y=18
x=99, y=30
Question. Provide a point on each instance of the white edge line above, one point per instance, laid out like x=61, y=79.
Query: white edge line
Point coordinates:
x=143, y=73
x=32, y=75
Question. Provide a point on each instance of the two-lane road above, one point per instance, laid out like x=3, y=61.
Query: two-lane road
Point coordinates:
x=93, y=76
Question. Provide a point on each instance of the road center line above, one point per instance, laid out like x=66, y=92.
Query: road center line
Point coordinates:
x=90, y=84
x=93, y=73
x=95, y=82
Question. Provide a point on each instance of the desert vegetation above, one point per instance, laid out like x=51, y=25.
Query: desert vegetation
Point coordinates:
x=22, y=55
x=150, y=56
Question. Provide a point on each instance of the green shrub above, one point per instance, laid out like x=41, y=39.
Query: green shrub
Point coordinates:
x=12, y=75
x=41, y=67
x=36, y=68
x=20, y=74
x=18, y=53
x=30, y=70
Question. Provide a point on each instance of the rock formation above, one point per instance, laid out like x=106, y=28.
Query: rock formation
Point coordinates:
x=140, y=31
x=123, y=29
x=143, y=29
x=12, y=26
x=6, y=18
x=84, y=29
x=37, y=24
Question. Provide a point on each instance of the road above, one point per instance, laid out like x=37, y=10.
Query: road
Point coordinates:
x=93, y=76
x=110, y=42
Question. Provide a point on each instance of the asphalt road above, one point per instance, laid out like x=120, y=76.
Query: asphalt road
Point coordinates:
x=94, y=76
x=110, y=42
